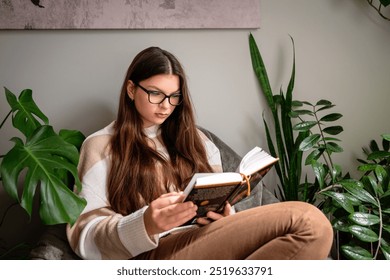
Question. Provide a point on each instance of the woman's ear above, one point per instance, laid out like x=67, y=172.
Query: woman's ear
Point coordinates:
x=130, y=89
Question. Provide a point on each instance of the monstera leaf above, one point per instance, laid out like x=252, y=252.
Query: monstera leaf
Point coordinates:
x=44, y=164
x=44, y=155
x=25, y=110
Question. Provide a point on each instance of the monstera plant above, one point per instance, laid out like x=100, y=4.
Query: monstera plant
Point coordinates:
x=44, y=163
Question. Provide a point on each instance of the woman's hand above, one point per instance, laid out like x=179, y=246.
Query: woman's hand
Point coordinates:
x=168, y=211
x=212, y=216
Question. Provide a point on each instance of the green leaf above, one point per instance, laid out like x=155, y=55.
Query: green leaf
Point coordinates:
x=378, y=155
x=307, y=103
x=341, y=225
x=323, y=102
x=331, y=117
x=296, y=103
x=385, y=144
x=333, y=147
x=309, y=142
x=303, y=112
x=261, y=72
x=374, y=146
x=371, y=185
x=353, y=200
x=386, y=136
x=325, y=107
x=24, y=111
x=74, y=137
x=381, y=174
x=359, y=193
x=363, y=233
x=386, y=228
x=367, y=167
x=385, y=3
x=335, y=172
x=341, y=199
x=290, y=86
x=351, y=183
x=328, y=139
x=385, y=250
x=356, y=252
x=364, y=219
x=387, y=193
x=320, y=173
x=42, y=156
x=333, y=130
x=305, y=126
x=313, y=156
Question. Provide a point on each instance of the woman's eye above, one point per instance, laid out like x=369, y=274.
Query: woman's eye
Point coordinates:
x=155, y=93
x=176, y=95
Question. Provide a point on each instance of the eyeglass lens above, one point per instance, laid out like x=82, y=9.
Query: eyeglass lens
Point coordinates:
x=157, y=97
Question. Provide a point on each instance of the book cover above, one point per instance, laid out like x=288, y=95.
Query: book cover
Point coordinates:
x=210, y=191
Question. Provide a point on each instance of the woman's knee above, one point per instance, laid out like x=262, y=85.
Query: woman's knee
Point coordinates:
x=310, y=216
x=313, y=225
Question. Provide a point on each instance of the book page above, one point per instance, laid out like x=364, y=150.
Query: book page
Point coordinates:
x=203, y=180
x=218, y=179
x=255, y=160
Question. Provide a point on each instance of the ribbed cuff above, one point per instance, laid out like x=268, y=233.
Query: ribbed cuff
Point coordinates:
x=133, y=235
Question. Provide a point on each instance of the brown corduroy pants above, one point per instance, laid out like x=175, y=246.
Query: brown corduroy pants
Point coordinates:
x=280, y=231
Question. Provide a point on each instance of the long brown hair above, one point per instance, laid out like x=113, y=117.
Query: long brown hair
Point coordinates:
x=134, y=178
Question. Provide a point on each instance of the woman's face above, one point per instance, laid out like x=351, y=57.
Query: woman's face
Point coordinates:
x=154, y=114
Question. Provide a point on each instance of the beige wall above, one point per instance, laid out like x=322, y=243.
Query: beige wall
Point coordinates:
x=342, y=54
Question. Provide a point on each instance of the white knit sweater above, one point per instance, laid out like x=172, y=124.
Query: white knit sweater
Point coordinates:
x=100, y=233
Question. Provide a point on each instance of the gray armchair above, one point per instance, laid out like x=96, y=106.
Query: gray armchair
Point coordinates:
x=53, y=244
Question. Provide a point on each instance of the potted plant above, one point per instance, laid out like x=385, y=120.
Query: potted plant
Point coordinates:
x=358, y=209
x=44, y=162
x=361, y=208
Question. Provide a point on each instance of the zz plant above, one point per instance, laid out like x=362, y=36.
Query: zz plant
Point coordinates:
x=320, y=144
x=359, y=209
x=44, y=162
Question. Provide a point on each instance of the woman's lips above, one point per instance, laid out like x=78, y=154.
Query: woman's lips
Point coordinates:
x=162, y=115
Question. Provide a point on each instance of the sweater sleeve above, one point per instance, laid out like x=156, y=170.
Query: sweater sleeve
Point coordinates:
x=88, y=236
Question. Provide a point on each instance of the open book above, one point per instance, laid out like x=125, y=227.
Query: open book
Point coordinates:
x=211, y=191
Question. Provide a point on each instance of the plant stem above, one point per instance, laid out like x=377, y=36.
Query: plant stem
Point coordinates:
x=330, y=187
x=6, y=211
x=328, y=160
x=6, y=117
x=338, y=244
x=380, y=228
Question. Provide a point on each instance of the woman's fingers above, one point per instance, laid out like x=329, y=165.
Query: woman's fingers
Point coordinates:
x=228, y=210
x=213, y=216
x=203, y=221
x=167, y=212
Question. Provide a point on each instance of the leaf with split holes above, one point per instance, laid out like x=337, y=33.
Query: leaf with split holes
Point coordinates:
x=42, y=157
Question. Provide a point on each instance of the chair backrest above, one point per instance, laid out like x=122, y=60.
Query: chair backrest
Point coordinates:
x=230, y=159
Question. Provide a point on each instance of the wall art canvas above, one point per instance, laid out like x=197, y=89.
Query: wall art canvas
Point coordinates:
x=129, y=14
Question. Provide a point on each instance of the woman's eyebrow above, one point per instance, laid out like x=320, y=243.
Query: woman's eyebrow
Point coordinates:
x=155, y=88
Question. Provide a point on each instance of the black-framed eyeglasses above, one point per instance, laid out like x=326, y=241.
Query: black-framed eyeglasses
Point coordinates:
x=158, y=97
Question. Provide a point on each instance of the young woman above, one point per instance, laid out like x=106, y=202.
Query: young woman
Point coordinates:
x=133, y=172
